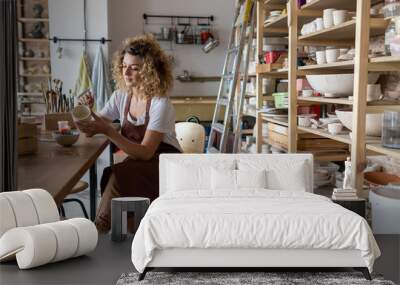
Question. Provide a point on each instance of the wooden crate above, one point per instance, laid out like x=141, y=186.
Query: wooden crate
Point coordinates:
x=269, y=67
x=27, y=139
x=307, y=142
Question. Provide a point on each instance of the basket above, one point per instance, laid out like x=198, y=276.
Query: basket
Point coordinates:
x=281, y=100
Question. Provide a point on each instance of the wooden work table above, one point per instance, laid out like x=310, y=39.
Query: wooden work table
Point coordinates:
x=57, y=169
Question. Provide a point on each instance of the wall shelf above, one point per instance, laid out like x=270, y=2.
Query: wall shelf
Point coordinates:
x=344, y=138
x=32, y=40
x=379, y=148
x=29, y=94
x=33, y=20
x=282, y=122
x=337, y=4
x=343, y=32
x=34, y=58
x=36, y=75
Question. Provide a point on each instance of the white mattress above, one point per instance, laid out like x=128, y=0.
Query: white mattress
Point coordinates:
x=250, y=219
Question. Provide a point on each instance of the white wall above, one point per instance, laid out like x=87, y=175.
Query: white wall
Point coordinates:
x=126, y=20
x=66, y=21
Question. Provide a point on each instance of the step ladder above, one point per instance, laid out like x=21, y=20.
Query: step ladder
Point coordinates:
x=245, y=14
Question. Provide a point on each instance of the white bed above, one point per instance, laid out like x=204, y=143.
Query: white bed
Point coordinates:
x=194, y=223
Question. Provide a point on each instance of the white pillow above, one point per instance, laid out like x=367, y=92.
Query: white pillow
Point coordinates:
x=193, y=176
x=251, y=178
x=282, y=174
x=293, y=179
x=225, y=179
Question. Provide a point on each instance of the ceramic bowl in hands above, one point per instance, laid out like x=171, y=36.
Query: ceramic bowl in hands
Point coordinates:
x=81, y=113
x=66, y=139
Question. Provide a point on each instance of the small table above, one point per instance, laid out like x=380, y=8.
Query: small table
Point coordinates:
x=356, y=205
x=119, y=209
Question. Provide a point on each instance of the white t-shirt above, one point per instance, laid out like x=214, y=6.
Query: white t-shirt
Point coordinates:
x=161, y=115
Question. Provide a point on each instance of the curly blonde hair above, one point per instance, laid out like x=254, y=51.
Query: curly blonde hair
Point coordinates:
x=155, y=76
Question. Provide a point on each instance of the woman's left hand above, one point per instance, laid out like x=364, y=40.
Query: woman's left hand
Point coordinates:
x=96, y=126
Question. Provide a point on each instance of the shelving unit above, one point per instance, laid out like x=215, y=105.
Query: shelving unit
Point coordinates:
x=276, y=28
x=31, y=71
x=354, y=33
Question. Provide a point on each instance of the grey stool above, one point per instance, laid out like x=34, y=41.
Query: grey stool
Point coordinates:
x=119, y=209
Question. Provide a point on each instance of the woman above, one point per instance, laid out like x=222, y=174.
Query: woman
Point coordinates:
x=144, y=77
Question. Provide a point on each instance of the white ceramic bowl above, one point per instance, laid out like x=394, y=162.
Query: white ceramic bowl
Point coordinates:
x=373, y=125
x=338, y=84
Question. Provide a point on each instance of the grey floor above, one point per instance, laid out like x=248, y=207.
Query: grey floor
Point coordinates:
x=111, y=259
x=103, y=266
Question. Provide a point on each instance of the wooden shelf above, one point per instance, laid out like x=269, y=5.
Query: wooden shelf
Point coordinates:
x=385, y=59
x=31, y=40
x=29, y=94
x=262, y=69
x=331, y=156
x=392, y=152
x=33, y=20
x=282, y=122
x=344, y=138
x=344, y=32
x=384, y=63
x=323, y=100
x=33, y=102
x=279, y=23
x=35, y=58
x=337, y=4
x=371, y=106
x=35, y=75
x=340, y=66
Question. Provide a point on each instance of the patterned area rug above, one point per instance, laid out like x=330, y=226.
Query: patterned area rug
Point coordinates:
x=242, y=278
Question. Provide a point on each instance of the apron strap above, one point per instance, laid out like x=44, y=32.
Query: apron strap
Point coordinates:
x=147, y=119
x=127, y=106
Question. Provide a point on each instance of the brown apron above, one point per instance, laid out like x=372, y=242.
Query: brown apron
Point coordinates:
x=137, y=177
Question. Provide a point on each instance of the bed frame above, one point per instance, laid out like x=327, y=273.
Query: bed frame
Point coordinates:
x=247, y=259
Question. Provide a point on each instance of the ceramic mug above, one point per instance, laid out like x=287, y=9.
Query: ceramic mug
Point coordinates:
x=304, y=120
x=328, y=18
x=321, y=57
x=335, y=128
x=81, y=113
x=373, y=92
x=307, y=92
x=331, y=55
x=339, y=17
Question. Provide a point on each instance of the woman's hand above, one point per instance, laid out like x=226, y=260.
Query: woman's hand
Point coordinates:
x=95, y=126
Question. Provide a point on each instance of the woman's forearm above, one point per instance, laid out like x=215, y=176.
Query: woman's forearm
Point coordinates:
x=134, y=150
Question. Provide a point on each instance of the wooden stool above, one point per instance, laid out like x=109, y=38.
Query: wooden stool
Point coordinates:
x=119, y=209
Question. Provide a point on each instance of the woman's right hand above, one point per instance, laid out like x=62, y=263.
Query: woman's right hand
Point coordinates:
x=86, y=99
